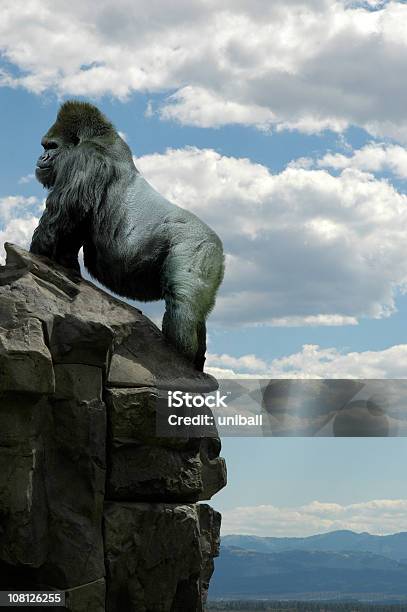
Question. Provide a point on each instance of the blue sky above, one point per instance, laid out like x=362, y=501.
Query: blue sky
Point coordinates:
x=284, y=126
x=273, y=480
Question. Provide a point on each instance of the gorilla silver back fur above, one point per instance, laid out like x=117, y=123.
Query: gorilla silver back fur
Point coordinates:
x=135, y=242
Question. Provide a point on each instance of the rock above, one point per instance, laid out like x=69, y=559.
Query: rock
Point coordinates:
x=162, y=368
x=146, y=467
x=75, y=340
x=132, y=415
x=213, y=468
x=86, y=598
x=25, y=361
x=167, y=549
x=78, y=381
x=124, y=370
x=23, y=510
x=154, y=474
x=75, y=484
x=83, y=377
x=209, y=527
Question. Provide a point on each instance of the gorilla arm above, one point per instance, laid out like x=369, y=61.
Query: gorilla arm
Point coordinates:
x=59, y=236
x=65, y=222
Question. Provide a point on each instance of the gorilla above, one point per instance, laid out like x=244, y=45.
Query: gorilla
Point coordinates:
x=135, y=242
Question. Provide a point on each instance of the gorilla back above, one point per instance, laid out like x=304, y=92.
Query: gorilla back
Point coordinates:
x=135, y=242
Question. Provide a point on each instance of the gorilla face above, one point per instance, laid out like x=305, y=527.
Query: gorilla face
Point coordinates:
x=44, y=170
x=54, y=146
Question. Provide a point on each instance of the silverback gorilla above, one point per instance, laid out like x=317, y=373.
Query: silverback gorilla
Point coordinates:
x=135, y=242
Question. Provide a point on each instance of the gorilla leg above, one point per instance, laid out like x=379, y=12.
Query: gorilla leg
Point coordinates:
x=185, y=332
x=180, y=327
x=184, y=326
x=192, y=276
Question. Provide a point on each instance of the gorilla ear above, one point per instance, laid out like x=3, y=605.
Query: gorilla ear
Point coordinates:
x=75, y=140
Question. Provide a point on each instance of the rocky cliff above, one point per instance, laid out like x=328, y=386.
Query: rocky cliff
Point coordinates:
x=92, y=502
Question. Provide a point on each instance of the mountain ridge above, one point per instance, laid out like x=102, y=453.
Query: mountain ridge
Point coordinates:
x=392, y=546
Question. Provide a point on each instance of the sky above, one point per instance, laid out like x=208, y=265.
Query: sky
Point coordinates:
x=282, y=125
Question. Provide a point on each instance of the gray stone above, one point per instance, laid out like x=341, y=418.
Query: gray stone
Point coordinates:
x=181, y=469
x=126, y=372
x=132, y=417
x=213, y=468
x=87, y=597
x=75, y=484
x=55, y=275
x=23, y=509
x=10, y=309
x=73, y=339
x=153, y=557
x=162, y=368
x=52, y=482
x=209, y=527
x=78, y=381
x=153, y=474
x=25, y=361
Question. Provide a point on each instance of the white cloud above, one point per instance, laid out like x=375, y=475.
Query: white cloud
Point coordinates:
x=302, y=64
x=26, y=179
x=303, y=247
x=373, y=157
x=18, y=231
x=379, y=516
x=315, y=362
x=314, y=321
x=18, y=219
x=12, y=207
x=198, y=106
x=248, y=363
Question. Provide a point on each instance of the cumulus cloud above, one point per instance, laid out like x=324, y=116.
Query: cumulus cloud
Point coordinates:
x=304, y=64
x=198, y=106
x=378, y=516
x=18, y=231
x=303, y=247
x=315, y=362
x=373, y=157
x=12, y=207
x=18, y=219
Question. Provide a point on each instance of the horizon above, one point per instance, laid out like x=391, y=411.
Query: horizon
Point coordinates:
x=381, y=535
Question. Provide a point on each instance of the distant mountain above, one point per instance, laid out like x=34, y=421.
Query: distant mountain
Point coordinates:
x=297, y=574
x=392, y=546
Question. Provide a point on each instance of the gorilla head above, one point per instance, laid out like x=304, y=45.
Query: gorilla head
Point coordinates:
x=78, y=141
x=135, y=242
